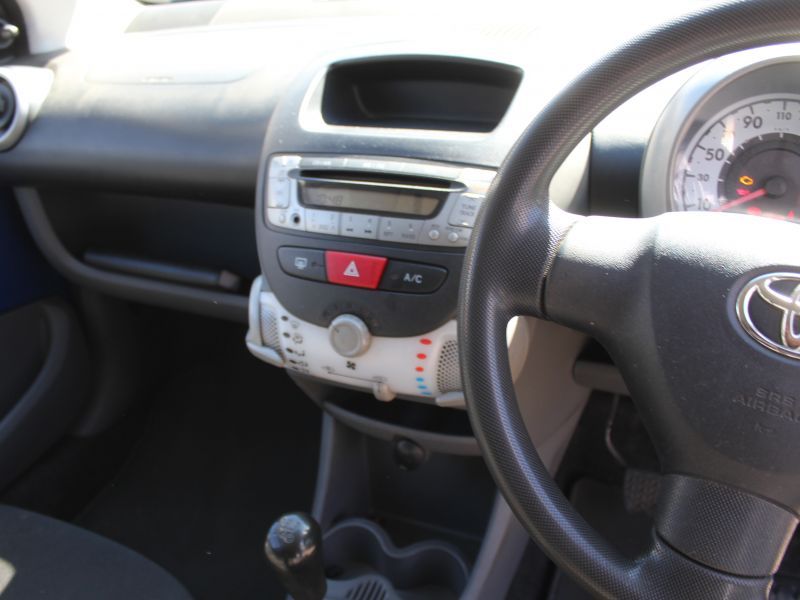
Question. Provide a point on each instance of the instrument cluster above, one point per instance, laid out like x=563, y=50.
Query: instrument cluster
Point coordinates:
x=729, y=141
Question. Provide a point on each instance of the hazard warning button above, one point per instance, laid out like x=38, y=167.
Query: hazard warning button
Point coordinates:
x=355, y=270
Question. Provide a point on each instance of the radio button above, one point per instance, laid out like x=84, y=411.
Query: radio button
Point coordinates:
x=446, y=235
x=280, y=166
x=399, y=230
x=278, y=192
x=360, y=226
x=457, y=236
x=354, y=270
x=322, y=221
x=412, y=277
x=303, y=263
x=465, y=210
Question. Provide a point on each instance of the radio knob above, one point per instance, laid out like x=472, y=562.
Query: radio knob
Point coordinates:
x=349, y=336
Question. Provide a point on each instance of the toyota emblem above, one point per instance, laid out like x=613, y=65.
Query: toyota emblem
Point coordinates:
x=768, y=309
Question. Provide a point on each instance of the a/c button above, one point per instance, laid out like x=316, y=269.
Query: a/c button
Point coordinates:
x=412, y=277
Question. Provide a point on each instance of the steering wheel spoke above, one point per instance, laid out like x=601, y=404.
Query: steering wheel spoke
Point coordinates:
x=596, y=278
x=719, y=526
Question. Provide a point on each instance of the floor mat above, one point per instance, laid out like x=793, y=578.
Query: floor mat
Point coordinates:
x=230, y=445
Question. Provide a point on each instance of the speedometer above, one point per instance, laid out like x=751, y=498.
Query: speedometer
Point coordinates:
x=745, y=159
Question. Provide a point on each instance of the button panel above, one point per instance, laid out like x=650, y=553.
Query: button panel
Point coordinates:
x=303, y=263
x=359, y=226
x=404, y=231
x=412, y=278
x=385, y=366
x=322, y=221
x=354, y=270
x=465, y=210
x=451, y=227
x=361, y=270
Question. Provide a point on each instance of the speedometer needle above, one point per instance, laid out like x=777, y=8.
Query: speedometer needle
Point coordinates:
x=743, y=200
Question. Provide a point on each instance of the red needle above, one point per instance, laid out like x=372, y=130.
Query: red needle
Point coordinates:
x=744, y=199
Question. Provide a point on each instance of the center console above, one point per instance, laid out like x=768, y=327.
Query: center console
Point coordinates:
x=363, y=260
x=371, y=180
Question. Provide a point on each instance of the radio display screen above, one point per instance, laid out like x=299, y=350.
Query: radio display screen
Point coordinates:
x=395, y=201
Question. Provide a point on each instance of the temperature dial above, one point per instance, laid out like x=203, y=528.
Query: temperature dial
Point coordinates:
x=349, y=336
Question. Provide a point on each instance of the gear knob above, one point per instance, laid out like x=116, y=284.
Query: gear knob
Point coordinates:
x=294, y=549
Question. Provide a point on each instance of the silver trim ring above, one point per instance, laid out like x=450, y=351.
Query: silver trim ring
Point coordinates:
x=789, y=343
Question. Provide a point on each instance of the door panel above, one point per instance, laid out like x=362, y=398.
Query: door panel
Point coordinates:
x=44, y=371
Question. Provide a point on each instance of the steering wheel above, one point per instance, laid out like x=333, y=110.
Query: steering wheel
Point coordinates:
x=675, y=300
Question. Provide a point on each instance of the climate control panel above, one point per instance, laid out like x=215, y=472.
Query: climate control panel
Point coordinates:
x=346, y=353
x=366, y=271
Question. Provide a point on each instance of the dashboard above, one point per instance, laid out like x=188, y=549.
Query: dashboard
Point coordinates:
x=349, y=309
x=327, y=195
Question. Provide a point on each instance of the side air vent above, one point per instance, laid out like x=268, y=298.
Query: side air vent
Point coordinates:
x=8, y=105
x=22, y=92
x=448, y=373
x=269, y=328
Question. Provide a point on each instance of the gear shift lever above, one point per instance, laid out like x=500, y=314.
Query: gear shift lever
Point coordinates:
x=294, y=549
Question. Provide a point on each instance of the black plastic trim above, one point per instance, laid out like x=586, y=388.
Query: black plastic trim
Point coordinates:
x=385, y=313
x=718, y=526
x=169, y=295
x=462, y=445
x=54, y=398
x=441, y=93
x=166, y=271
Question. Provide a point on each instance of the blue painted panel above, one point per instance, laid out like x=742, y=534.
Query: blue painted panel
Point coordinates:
x=25, y=276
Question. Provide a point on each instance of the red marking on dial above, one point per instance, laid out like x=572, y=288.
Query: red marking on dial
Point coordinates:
x=743, y=200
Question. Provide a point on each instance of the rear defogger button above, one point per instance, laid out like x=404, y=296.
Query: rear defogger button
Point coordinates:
x=412, y=278
x=302, y=262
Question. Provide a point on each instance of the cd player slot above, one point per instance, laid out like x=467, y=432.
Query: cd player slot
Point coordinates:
x=367, y=179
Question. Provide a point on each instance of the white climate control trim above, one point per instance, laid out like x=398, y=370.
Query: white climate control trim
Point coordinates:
x=388, y=368
x=257, y=342
x=391, y=367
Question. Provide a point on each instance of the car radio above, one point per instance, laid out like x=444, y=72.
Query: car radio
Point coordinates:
x=361, y=260
x=388, y=200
